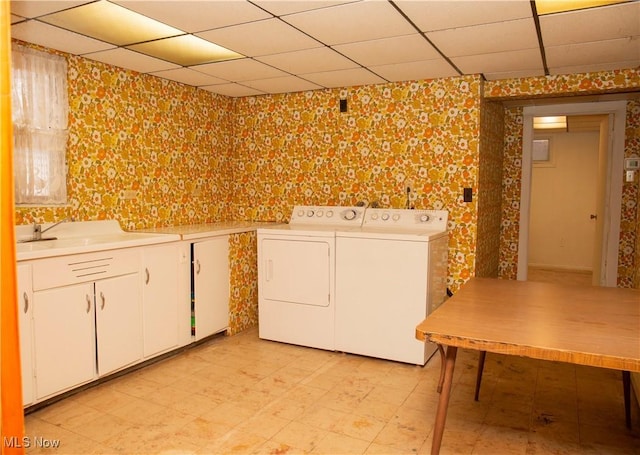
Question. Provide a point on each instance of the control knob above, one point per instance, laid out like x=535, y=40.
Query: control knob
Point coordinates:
x=385, y=216
x=395, y=217
x=424, y=218
x=350, y=214
x=310, y=213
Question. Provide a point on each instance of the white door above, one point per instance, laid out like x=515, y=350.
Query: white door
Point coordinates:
x=160, y=298
x=562, y=226
x=295, y=271
x=118, y=322
x=211, y=286
x=64, y=338
x=25, y=303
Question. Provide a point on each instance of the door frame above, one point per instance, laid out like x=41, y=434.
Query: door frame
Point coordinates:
x=613, y=190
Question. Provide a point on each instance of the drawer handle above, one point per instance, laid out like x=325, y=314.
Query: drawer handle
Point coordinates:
x=197, y=266
x=103, y=301
x=25, y=297
x=88, y=303
x=148, y=275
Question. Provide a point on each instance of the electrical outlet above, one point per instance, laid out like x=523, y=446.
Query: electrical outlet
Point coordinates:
x=130, y=194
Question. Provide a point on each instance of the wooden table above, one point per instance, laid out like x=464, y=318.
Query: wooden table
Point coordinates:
x=584, y=325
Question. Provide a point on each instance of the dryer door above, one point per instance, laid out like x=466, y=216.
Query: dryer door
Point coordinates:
x=296, y=271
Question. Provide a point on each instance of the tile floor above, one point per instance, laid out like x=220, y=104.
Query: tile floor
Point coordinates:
x=244, y=395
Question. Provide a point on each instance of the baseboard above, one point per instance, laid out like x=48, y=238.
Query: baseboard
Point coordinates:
x=560, y=268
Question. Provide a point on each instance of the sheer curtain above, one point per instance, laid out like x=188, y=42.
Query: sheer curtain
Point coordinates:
x=40, y=109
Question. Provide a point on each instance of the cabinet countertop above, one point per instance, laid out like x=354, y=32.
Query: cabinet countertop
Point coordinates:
x=200, y=231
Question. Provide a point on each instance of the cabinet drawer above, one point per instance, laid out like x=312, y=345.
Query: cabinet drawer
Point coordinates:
x=80, y=268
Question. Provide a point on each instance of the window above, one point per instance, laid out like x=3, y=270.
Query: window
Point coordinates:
x=40, y=108
x=541, y=153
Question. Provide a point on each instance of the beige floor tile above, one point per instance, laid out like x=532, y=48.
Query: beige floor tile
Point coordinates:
x=300, y=435
x=244, y=395
x=340, y=444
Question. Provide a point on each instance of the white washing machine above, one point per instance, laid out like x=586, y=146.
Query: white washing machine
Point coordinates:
x=296, y=275
x=391, y=274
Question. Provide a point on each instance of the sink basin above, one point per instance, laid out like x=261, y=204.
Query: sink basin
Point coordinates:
x=81, y=237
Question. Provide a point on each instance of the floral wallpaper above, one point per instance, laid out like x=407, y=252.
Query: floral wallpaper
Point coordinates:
x=300, y=149
x=191, y=157
x=490, y=189
x=131, y=132
x=243, y=277
x=564, y=85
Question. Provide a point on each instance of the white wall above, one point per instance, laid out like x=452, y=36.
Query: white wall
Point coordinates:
x=563, y=196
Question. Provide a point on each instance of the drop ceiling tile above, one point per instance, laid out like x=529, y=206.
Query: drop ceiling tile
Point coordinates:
x=352, y=22
x=240, y=70
x=282, y=7
x=197, y=16
x=598, y=52
x=596, y=24
x=527, y=59
x=270, y=36
x=440, y=15
x=234, y=90
x=486, y=39
x=345, y=78
x=56, y=38
x=308, y=61
x=189, y=77
x=282, y=85
x=410, y=71
x=398, y=49
x=131, y=60
x=31, y=8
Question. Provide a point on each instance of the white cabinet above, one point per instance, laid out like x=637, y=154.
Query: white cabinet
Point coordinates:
x=160, y=298
x=87, y=318
x=25, y=306
x=118, y=322
x=211, y=286
x=64, y=338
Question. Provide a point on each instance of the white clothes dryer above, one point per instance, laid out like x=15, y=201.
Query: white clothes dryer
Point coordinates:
x=392, y=273
x=296, y=275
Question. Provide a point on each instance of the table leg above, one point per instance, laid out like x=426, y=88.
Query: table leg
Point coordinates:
x=442, y=359
x=443, y=403
x=626, y=388
x=483, y=354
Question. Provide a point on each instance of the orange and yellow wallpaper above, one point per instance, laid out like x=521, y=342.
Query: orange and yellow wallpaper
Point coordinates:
x=196, y=157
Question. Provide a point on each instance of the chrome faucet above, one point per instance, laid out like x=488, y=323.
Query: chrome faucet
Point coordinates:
x=38, y=231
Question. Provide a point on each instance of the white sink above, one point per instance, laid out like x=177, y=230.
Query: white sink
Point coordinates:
x=82, y=237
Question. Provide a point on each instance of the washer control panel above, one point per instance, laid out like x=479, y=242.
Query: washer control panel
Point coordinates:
x=327, y=215
x=407, y=219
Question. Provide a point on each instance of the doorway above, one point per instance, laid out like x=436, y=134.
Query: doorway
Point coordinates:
x=565, y=188
x=610, y=175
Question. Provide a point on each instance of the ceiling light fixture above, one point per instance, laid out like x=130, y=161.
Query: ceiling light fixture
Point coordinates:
x=185, y=50
x=561, y=6
x=112, y=23
x=550, y=123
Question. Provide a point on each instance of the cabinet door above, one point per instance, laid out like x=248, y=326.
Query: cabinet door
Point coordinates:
x=25, y=301
x=118, y=322
x=160, y=298
x=64, y=338
x=211, y=286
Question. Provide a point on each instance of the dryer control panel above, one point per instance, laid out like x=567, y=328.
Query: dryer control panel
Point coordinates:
x=327, y=215
x=429, y=220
